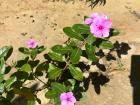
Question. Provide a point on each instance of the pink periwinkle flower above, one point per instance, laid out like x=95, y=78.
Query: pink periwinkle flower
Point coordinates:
x=32, y=43
x=67, y=98
x=99, y=25
x=90, y=20
x=100, y=28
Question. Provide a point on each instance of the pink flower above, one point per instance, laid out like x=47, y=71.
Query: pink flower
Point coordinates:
x=32, y=43
x=67, y=98
x=101, y=27
x=89, y=20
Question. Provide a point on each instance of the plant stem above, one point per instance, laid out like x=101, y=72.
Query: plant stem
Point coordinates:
x=39, y=79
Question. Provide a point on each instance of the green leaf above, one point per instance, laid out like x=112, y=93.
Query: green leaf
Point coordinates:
x=57, y=101
x=70, y=83
x=90, y=39
x=2, y=66
x=56, y=56
x=20, y=63
x=31, y=102
x=34, y=53
x=72, y=34
x=27, y=68
x=1, y=77
x=21, y=75
x=10, y=81
x=41, y=49
x=75, y=55
x=57, y=89
x=76, y=73
x=90, y=51
x=1, y=87
x=60, y=88
x=106, y=45
x=81, y=28
x=85, y=17
x=33, y=63
x=6, y=51
x=74, y=43
x=24, y=50
x=53, y=72
x=42, y=66
x=51, y=94
x=115, y=32
x=62, y=49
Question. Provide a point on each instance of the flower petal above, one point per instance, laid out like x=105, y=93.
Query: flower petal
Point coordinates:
x=32, y=43
x=94, y=15
x=88, y=21
x=107, y=23
x=63, y=96
x=73, y=99
x=69, y=94
x=70, y=103
x=64, y=102
x=106, y=32
x=94, y=30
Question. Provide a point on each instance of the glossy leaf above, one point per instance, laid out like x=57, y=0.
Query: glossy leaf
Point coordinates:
x=5, y=52
x=53, y=72
x=106, y=45
x=2, y=66
x=56, y=56
x=41, y=49
x=20, y=63
x=56, y=90
x=81, y=28
x=72, y=34
x=85, y=17
x=34, y=53
x=42, y=66
x=75, y=55
x=90, y=39
x=70, y=83
x=90, y=51
x=60, y=88
x=26, y=67
x=62, y=49
x=33, y=63
x=115, y=32
x=24, y=50
x=21, y=75
x=51, y=94
x=1, y=77
x=10, y=81
x=1, y=87
x=76, y=73
x=57, y=101
x=73, y=43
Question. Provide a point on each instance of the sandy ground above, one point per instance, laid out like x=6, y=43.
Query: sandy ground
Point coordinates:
x=44, y=21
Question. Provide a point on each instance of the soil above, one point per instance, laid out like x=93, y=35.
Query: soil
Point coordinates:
x=44, y=20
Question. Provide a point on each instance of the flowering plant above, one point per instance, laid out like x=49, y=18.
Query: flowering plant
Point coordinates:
x=66, y=68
